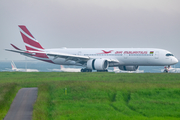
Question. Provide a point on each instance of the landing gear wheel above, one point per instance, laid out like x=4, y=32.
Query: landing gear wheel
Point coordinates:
x=166, y=70
x=86, y=70
x=102, y=70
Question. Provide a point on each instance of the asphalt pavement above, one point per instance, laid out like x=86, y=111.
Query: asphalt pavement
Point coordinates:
x=22, y=105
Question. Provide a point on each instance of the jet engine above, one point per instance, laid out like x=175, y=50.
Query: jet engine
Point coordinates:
x=128, y=68
x=97, y=64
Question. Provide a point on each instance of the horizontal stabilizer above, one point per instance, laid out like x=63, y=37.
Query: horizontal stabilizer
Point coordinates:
x=16, y=47
x=21, y=52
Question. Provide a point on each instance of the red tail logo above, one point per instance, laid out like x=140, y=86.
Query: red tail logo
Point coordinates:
x=30, y=42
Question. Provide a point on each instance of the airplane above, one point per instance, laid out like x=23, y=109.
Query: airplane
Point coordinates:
x=127, y=59
x=62, y=69
x=14, y=68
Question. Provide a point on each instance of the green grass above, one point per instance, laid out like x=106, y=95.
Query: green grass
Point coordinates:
x=7, y=94
x=96, y=95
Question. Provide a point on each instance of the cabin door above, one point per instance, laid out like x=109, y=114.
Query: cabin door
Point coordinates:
x=156, y=55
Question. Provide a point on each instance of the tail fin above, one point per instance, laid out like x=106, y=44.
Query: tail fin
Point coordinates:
x=13, y=66
x=30, y=42
x=61, y=67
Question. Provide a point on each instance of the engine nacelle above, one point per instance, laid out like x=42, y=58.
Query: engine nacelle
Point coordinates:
x=128, y=68
x=97, y=64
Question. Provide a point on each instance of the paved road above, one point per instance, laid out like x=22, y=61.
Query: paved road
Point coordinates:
x=22, y=106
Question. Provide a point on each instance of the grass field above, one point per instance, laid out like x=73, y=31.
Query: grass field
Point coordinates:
x=101, y=96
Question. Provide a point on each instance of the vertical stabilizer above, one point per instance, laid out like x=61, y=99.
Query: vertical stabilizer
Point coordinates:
x=30, y=42
x=13, y=66
x=61, y=67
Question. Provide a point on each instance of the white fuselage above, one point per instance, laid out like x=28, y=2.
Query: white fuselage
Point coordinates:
x=125, y=56
x=14, y=68
x=70, y=70
x=62, y=69
x=25, y=70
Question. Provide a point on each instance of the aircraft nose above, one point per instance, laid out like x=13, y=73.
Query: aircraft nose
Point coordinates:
x=175, y=60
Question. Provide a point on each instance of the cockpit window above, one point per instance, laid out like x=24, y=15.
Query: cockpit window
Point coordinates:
x=169, y=54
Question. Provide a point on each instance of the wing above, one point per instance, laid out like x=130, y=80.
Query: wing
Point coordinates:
x=77, y=58
x=112, y=60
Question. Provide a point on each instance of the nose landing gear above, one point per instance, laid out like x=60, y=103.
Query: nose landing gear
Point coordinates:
x=166, y=69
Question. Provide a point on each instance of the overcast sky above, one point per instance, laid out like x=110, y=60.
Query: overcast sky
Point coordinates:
x=91, y=23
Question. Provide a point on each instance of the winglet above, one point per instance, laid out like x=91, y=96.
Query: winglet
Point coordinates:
x=15, y=47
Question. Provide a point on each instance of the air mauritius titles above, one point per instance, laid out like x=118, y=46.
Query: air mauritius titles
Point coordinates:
x=133, y=52
x=126, y=52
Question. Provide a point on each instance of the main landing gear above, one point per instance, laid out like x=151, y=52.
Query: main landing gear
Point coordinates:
x=102, y=70
x=86, y=70
x=89, y=70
